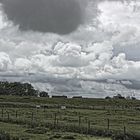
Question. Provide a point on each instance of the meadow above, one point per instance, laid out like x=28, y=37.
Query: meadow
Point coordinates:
x=58, y=118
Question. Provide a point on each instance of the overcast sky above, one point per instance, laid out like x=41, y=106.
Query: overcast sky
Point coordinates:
x=96, y=55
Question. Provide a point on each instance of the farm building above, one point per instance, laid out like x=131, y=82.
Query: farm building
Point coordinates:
x=119, y=96
x=63, y=97
x=77, y=97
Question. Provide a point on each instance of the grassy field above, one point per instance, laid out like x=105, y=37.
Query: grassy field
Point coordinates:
x=27, y=117
x=34, y=134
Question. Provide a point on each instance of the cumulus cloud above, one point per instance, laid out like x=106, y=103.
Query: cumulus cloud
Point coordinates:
x=100, y=58
x=22, y=64
x=5, y=61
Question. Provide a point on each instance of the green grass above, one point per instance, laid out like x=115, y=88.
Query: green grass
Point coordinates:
x=99, y=103
x=98, y=118
x=78, y=114
x=22, y=132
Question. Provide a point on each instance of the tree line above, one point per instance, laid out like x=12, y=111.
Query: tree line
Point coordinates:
x=20, y=89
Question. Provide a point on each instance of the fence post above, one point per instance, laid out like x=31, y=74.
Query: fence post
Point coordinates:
x=124, y=129
x=60, y=116
x=8, y=115
x=44, y=109
x=79, y=120
x=88, y=126
x=2, y=112
x=32, y=117
x=86, y=120
x=55, y=120
x=108, y=124
x=16, y=113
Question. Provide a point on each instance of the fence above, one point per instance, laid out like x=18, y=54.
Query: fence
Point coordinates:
x=68, y=120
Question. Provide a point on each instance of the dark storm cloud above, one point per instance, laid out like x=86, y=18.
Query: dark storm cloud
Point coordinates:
x=58, y=16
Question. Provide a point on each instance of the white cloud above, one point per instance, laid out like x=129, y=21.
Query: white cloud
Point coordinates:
x=92, y=52
x=5, y=62
x=22, y=64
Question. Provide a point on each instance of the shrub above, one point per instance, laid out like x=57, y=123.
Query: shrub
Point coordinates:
x=69, y=137
x=37, y=131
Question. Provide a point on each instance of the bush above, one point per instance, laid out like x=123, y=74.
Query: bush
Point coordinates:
x=125, y=137
x=37, y=131
x=69, y=137
x=56, y=136
x=4, y=136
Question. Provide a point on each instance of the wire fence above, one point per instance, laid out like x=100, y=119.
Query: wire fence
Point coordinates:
x=72, y=120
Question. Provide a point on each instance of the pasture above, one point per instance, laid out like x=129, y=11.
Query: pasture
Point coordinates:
x=45, y=118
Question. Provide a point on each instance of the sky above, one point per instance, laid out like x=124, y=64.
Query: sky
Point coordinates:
x=92, y=50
